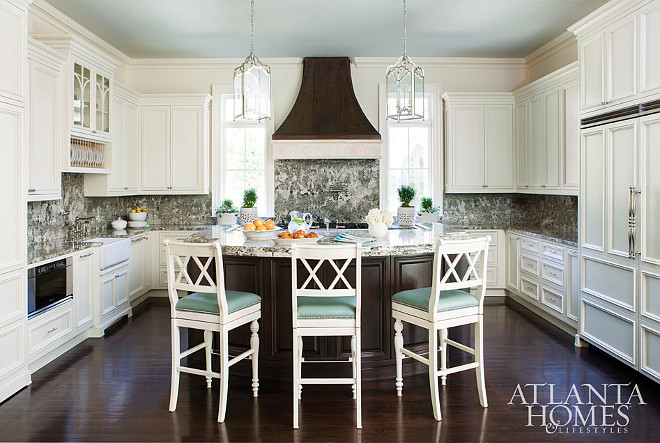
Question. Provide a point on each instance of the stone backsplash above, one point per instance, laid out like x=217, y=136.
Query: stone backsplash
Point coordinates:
x=47, y=220
x=304, y=185
x=558, y=213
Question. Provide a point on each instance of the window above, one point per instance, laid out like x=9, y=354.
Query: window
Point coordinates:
x=241, y=155
x=412, y=154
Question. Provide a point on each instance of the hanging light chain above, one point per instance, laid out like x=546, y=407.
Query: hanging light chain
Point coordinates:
x=404, y=29
x=252, y=27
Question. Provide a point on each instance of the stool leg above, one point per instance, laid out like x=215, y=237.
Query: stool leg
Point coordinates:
x=300, y=362
x=254, y=345
x=354, y=363
x=358, y=375
x=433, y=372
x=398, y=344
x=479, y=357
x=224, y=374
x=208, y=341
x=176, y=361
x=296, y=390
x=443, y=354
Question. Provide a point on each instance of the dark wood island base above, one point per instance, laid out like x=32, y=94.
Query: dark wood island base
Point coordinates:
x=382, y=276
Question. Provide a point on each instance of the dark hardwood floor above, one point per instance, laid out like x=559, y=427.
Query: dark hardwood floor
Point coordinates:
x=117, y=389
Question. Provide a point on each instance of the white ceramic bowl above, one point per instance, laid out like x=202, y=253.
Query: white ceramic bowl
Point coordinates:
x=118, y=224
x=260, y=235
x=137, y=216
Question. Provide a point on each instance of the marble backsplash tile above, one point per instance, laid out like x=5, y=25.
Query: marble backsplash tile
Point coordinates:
x=47, y=220
x=303, y=185
x=558, y=213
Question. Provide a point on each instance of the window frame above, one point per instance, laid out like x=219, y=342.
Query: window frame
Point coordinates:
x=436, y=144
x=218, y=151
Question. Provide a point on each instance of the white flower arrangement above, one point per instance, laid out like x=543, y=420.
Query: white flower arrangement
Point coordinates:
x=376, y=215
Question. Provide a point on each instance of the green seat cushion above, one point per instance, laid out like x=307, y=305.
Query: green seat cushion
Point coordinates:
x=206, y=303
x=326, y=307
x=452, y=299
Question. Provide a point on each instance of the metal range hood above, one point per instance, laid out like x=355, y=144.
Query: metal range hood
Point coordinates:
x=326, y=120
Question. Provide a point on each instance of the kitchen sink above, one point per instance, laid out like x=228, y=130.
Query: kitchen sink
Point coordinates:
x=112, y=251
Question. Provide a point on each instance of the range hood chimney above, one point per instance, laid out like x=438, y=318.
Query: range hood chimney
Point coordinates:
x=326, y=120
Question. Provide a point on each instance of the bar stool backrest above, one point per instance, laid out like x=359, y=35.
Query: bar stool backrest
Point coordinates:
x=202, y=257
x=465, y=262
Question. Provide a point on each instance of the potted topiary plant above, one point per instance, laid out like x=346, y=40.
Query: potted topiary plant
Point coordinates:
x=406, y=213
x=226, y=213
x=429, y=213
x=248, y=212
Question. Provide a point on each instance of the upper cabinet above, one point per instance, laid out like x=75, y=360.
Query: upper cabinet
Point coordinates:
x=125, y=159
x=175, y=144
x=479, y=140
x=45, y=135
x=13, y=50
x=548, y=134
x=619, y=55
x=88, y=105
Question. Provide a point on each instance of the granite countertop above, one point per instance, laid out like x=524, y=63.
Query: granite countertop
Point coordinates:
x=397, y=242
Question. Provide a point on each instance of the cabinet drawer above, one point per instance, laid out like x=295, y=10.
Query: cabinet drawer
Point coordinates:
x=552, y=299
x=555, y=252
x=42, y=333
x=529, y=264
x=552, y=273
x=610, y=330
x=492, y=234
x=529, y=288
x=529, y=244
x=493, y=253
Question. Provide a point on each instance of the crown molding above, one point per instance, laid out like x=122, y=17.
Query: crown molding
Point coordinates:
x=554, y=79
x=445, y=62
x=609, y=11
x=562, y=41
x=66, y=24
x=208, y=63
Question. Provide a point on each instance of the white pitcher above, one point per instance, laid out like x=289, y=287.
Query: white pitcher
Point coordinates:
x=300, y=221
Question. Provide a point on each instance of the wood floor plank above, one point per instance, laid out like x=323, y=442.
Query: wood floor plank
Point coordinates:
x=117, y=389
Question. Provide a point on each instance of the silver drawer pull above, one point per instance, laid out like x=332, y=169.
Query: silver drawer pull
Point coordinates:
x=52, y=330
x=86, y=255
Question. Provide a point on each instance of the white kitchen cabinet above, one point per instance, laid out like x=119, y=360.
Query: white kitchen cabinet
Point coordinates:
x=46, y=138
x=12, y=198
x=496, y=266
x=138, y=272
x=14, y=374
x=50, y=330
x=112, y=302
x=547, y=134
x=175, y=144
x=84, y=288
x=159, y=256
x=13, y=50
x=512, y=266
x=88, y=86
x=480, y=145
x=125, y=168
x=649, y=49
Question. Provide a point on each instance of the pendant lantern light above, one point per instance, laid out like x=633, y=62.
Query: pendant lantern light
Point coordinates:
x=405, y=85
x=252, y=84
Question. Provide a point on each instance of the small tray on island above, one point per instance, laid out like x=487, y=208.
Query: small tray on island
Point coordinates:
x=265, y=234
x=285, y=238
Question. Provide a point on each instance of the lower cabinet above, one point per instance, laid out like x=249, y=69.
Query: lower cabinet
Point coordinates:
x=13, y=333
x=112, y=301
x=543, y=274
x=138, y=269
x=496, y=272
x=83, y=288
x=159, y=256
x=50, y=329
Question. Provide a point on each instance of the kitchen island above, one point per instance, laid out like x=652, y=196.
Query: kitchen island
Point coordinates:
x=401, y=261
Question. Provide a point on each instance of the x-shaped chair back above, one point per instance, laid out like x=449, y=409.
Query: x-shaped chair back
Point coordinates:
x=339, y=257
x=465, y=268
x=182, y=258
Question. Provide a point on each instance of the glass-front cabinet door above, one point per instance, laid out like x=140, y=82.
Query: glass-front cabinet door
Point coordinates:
x=102, y=104
x=91, y=101
x=82, y=96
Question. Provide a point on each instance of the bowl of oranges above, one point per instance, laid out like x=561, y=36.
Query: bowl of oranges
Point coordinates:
x=260, y=229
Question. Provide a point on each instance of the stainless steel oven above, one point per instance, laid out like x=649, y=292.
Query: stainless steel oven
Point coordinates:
x=49, y=285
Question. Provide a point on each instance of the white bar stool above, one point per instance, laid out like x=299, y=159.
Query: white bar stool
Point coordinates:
x=445, y=305
x=326, y=311
x=209, y=308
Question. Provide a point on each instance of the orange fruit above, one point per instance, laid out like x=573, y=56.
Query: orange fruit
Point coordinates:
x=270, y=225
x=261, y=228
x=249, y=227
x=258, y=222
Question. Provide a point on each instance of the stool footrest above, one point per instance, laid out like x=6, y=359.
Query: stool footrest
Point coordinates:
x=327, y=381
x=241, y=357
x=187, y=352
x=415, y=356
x=199, y=372
x=459, y=368
x=462, y=347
